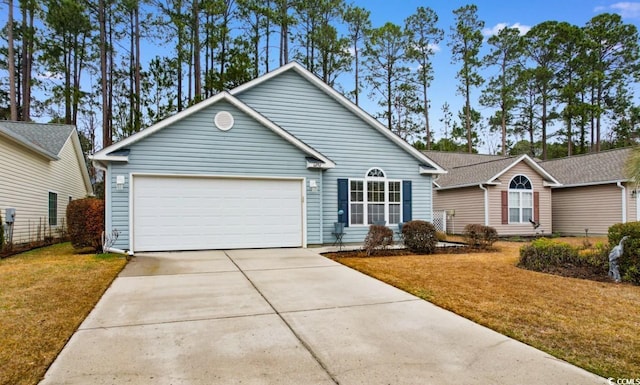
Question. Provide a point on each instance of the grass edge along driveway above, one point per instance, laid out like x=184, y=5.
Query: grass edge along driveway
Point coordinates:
x=44, y=296
x=590, y=324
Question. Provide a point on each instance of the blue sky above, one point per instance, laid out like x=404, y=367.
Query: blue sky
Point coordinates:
x=495, y=14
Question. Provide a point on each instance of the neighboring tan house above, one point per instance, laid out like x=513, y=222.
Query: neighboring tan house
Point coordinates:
x=42, y=169
x=272, y=163
x=595, y=193
x=510, y=194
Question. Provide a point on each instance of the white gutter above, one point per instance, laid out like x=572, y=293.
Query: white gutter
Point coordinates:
x=624, y=201
x=486, y=204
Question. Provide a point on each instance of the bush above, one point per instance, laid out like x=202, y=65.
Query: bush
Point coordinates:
x=480, y=236
x=378, y=238
x=419, y=237
x=630, y=260
x=441, y=236
x=85, y=223
x=597, y=256
x=544, y=254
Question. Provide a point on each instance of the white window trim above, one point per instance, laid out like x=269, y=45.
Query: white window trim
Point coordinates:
x=520, y=207
x=365, y=202
x=49, y=208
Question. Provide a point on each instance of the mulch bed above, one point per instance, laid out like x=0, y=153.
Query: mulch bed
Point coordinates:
x=461, y=249
x=591, y=273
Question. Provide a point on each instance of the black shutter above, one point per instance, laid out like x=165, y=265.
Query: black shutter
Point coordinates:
x=406, y=200
x=343, y=201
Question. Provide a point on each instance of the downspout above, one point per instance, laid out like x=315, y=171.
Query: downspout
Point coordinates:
x=486, y=204
x=624, y=201
x=118, y=251
x=321, y=190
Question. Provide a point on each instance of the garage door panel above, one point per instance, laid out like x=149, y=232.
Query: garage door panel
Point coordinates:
x=172, y=213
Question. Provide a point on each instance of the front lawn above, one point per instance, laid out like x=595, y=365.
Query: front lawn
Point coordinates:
x=44, y=296
x=594, y=325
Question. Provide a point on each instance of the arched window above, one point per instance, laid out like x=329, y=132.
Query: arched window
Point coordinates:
x=520, y=200
x=374, y=199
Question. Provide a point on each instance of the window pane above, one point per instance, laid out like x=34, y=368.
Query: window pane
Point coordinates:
x=514, y=199
x=357, y=214
x=394, y=192
x=394, y=213
x=375, y=213
x=527, y=199
x=357, y=193
x=527, y=215
x=520, y=182
x=53, y=209
x=375, y=191
x=514, y=215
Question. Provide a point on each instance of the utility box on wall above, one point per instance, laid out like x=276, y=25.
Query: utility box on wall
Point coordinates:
x=10, y=216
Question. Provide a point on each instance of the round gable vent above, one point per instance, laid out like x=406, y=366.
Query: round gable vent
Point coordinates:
x=224, y=120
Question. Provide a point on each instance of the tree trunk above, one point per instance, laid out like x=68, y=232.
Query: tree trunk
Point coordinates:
x=357, y=62
x=106, y=134
x=27, y=60
x=13, y=105
x=137, y=78
x=467, y=114
x=196, y=52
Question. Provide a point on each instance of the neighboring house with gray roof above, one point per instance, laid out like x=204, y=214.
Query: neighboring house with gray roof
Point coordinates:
x=506, y=193
x=42, y=169
x=595, y=193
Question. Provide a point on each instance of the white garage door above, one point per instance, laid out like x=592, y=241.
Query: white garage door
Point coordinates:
x=174, y=213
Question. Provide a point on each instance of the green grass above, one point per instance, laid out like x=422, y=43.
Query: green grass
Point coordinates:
x=44, y=296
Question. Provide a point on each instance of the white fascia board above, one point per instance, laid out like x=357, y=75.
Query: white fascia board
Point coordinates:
x=349, y=106
x=468, y=185
x=586, y=184
x=535, y=166
x=103, y=155
x=279, y=130
x=75, y=142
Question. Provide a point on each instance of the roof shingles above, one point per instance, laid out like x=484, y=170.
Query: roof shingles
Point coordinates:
x=47, y=138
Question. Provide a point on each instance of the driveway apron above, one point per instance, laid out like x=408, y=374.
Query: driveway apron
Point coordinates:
x=284, y=316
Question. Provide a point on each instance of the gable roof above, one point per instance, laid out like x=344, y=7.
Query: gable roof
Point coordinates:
x=48, y=140
x=428, y=165
x=589, y=169
x=450, y=159
x=114, y=152
x=44, y=139
x=476, y=169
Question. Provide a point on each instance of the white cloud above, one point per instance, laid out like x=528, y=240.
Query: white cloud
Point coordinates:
x=626, y=9
x=48, y=75
x=487, y=32
x=434, y=47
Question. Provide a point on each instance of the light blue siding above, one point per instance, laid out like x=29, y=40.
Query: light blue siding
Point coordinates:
x=312, y=116
x=194, y=145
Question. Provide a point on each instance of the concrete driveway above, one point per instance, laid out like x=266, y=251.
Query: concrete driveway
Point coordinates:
x=284, y=316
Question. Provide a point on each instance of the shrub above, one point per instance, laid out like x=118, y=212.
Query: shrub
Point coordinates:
x=480, y=236
x=85, y=223
x=544, y=254
x=378, y=238
x=419, y=237
x=441, y=236
x=597, y=256
x=630, y=260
